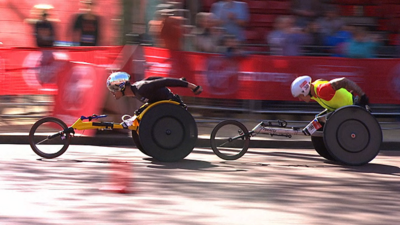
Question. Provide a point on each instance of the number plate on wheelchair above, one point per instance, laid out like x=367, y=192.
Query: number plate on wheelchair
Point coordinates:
x=312, y=127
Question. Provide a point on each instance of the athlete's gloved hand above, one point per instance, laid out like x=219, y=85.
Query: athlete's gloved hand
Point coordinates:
x=128, y=122
x=364, y=100
x=198, y=90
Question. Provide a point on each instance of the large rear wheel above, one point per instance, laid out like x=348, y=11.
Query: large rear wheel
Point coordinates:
x=320, y=148
x=167, y=132
x=136, y=140
x=352, y=135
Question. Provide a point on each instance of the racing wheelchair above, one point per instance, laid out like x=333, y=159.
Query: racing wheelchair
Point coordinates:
x=163, y=130
x=350, y=135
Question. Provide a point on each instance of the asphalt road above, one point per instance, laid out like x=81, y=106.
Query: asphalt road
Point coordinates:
x=266, y=186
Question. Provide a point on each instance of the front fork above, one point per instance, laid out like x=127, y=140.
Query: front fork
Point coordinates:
x=69, y=130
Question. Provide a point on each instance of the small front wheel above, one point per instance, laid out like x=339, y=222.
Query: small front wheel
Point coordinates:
x=230, y=140
x=47, y=138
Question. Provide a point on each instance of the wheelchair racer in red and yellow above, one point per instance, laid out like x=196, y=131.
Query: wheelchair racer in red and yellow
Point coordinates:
x=331, y=95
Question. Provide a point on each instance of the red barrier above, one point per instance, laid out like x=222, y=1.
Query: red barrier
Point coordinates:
x=253, y=77
x=261, y=77
x=81, y=92
x=31, y=71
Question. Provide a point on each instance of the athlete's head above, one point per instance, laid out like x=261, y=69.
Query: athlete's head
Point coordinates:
x=301, y=87
x=116, y=83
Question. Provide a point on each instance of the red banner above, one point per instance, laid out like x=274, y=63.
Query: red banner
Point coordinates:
x=81, y=92
x=261, y=77
x=27, y=71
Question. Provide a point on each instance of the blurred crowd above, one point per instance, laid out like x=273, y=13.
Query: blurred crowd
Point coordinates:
x=84, y=29
x=307, y=27
x=312, y=27
x=184, y=26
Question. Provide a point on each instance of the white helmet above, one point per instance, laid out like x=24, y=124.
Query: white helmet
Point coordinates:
x=117, y=81
x=301, y=85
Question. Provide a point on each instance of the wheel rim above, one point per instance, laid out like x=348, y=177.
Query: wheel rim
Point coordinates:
x=223, y=143
x=48, y=148
x=352, y=135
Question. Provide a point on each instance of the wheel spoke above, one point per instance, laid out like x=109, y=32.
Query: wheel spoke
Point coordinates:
x=40, y=142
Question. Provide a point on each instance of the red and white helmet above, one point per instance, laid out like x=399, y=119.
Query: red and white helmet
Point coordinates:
x=301, y=85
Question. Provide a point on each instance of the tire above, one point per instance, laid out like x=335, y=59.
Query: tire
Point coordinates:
x=223, y=145
x=167, y=132
x=136, y=140
x=352, y=136
x=39, y=138
x=320, y=148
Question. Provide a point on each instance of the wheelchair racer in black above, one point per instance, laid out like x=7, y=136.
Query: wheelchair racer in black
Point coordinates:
x=149, y=90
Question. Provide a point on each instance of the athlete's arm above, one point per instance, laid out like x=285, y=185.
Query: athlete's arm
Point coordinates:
x=153, y=78
x=173, y=82
x=346, y=84
x=351, y=86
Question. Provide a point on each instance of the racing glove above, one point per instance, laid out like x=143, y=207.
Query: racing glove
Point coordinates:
x=128, y=122
x=364, y=100
x=197, y=90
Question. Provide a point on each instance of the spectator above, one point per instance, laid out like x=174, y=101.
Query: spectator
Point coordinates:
x=331, y=23
x=287, y=39
x=275, y=38
x=44, y=31
x=362, y=45
x=155, y=26
x=150, y=12
x=194, y=7
x=45, y=37
x=306, y=11
x=316, y=45
x=86, y=27
x=207, y=36
x=338, y=41
x=232, y=47
x=171, y=32
x=166, y=28
x=233, y=16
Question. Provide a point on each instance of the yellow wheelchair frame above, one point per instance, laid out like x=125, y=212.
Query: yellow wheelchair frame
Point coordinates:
x=81, y=125
x=175, y=137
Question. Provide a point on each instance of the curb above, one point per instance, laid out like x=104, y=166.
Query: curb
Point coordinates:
x=120, y=140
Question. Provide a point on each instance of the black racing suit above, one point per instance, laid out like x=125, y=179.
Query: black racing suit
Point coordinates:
x=155, y=89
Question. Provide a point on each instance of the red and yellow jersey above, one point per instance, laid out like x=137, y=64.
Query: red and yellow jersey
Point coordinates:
x=330, y=99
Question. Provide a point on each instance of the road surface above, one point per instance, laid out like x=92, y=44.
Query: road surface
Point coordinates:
x=266, y=186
